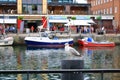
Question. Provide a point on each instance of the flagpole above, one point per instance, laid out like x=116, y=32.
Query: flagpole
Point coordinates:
x=3, y=24
x=47, y=18
x=47, y=22
x=69, y=19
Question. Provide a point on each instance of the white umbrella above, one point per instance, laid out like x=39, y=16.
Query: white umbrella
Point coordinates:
x=77, y=22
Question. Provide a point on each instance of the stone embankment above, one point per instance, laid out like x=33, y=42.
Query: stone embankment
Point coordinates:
x=19, y=38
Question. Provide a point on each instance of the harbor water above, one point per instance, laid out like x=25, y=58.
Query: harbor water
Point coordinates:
x=30, y=58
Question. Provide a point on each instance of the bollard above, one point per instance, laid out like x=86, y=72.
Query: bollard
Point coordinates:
x=72, y=64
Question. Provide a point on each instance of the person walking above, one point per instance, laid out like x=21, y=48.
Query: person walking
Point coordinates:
x=32, y=29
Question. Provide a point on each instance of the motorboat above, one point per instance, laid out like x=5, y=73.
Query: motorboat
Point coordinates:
x=88, y=41
x=6, y=41
x=46, y=40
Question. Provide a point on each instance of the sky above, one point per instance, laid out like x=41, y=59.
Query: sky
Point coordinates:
x=82, y=1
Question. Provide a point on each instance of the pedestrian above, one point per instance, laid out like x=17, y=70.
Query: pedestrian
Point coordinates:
x=32, y=29
x=92, y=29
x=53, y=28
x=1, y=29
x=78, y=29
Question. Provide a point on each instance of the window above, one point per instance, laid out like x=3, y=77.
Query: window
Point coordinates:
x=12, y=0
x=9, y=0
x=34, y=2
x=104, y=11
x=3, y=0
x=25, y=9
x=99, y=12
x=29, y=1
x=34, y=9
x=39, y=2
x=107, y=11
x=39, y=7
x=110, y=10
x=49, y=1
x=32, y=6
x=115, y=9
x=96, y=12
x=54, y=0
x=99, y=1
x=96, y=2
x=92, y=4
x=29, y=9
x=105, y=1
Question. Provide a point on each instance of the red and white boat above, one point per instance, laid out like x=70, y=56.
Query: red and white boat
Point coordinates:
x=89, y=42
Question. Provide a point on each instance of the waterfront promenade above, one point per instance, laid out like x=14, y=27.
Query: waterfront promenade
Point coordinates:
x=19, y=38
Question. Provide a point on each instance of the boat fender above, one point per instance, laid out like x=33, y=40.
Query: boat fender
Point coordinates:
x=89, y=39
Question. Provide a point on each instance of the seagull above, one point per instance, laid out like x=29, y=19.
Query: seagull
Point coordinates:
x=71, y=50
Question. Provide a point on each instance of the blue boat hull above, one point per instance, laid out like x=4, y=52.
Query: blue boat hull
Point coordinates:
x=46, y=44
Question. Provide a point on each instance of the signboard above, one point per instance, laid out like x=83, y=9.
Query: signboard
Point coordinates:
x=57, y=17
x=66, y=17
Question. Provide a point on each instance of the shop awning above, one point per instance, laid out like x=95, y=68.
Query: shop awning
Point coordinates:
x=90, y=21
x=58, y=21
x=80, y=22
x=74, y=22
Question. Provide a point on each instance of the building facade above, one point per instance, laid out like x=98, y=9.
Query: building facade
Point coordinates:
x=107, y=7
x=68, y=7
x=32, y=11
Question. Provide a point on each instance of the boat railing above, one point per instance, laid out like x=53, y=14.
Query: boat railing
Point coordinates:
x=60, y=32
x=101, y=71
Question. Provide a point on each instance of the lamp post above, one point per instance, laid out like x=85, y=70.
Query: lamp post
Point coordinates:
x=100, y=23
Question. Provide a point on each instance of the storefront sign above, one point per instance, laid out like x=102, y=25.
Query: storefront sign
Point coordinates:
x=66, y=17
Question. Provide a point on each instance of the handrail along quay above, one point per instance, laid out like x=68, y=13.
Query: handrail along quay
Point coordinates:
x=46, y=71
x=60, y=71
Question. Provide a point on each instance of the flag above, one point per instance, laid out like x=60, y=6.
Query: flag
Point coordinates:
x=44, y=22
x=18, y=23
x=22, y=26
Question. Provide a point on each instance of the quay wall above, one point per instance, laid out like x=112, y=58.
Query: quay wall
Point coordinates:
x=19, y=38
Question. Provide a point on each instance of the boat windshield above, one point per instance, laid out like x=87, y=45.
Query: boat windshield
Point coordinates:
x=44, y=34
x=50, y=36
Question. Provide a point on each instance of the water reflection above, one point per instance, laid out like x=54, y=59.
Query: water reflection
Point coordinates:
x=23, y=58
x=7, y=58
x=98, y=57
x=44, y=58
